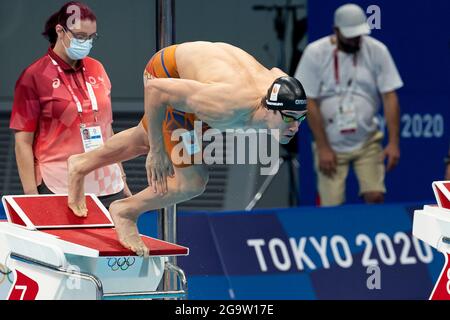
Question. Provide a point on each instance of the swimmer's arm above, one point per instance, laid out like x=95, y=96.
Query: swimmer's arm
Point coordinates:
x=157, y=165
x=155, y=108
x=184, y=95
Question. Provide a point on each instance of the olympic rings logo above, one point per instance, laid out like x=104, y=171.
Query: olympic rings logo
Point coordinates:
x=122, y=263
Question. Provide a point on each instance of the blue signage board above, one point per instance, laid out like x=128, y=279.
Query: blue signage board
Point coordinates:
x=348, y=252
x=308, y=253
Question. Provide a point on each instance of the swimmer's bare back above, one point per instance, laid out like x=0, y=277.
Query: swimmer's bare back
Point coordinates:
x=223, y=64
x=217, y=62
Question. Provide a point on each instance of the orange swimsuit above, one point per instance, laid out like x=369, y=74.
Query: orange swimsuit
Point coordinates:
x=163, y=65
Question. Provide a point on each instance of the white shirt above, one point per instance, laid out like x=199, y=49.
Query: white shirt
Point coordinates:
x=374, y=73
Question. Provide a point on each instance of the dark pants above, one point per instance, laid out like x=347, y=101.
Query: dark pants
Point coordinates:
x=105, y=200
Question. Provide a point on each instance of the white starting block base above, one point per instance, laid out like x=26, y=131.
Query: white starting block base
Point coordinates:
x=432, y=225
x=76, y=259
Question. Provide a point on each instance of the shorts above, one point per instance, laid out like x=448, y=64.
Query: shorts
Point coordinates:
x=369, y=169
x=163, y=65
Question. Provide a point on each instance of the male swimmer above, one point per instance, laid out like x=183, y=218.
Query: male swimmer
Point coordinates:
x=216, y=83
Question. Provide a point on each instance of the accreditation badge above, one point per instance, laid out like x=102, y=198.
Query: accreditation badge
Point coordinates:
x=91, y=136
x=347, y=121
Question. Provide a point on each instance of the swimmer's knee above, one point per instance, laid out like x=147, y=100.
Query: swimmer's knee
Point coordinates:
x=194, y=186
x=200, y=184
x=115, y=206
x=373, y=197
x=122, y=206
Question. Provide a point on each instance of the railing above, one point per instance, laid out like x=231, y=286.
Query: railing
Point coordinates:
x=100, y=295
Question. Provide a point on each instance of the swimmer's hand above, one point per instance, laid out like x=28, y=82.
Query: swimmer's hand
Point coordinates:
x=159, y=168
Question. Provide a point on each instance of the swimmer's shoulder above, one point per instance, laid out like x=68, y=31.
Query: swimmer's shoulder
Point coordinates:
x=277, y=72
x=243, y=99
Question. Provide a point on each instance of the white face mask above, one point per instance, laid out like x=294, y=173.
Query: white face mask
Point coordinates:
x=78, y=49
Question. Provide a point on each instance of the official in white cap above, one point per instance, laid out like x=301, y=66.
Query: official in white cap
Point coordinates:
x=350, y=23
x=347, y=76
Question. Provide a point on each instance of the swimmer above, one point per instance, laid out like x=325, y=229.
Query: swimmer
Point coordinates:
x=216, y=83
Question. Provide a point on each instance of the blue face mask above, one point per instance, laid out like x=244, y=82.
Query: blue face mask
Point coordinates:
x=78, y=49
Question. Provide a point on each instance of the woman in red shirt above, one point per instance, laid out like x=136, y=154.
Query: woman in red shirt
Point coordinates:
x=62, y=107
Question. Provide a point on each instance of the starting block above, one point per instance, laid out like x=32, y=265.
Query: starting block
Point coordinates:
x=51, y=254
x=432, y=225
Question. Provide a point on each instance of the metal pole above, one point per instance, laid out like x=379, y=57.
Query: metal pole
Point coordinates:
x=167, y=217
x=165, y=23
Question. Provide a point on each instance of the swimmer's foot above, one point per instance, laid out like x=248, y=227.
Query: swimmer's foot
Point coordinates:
x=77, y=199
x=127, y=230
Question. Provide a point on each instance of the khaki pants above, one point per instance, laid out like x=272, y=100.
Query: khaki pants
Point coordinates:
x=369, y=168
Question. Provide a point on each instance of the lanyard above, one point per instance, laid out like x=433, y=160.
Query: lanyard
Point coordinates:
x=336, y=68
x=91, y=93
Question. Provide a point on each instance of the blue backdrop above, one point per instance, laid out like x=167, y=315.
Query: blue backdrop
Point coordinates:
x=305, y=253
x=418, y=36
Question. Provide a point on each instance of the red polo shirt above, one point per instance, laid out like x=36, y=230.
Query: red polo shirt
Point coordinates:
x=43, y=105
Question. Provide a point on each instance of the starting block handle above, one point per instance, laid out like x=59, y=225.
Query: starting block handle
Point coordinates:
x=181, y=294
x=180, y=274
x=147, y=295
x=85, y=276
x=169, y=294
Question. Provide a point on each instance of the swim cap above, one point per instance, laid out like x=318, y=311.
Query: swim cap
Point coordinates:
x=286, y=93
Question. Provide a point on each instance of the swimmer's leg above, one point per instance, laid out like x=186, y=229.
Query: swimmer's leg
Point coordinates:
x=188, y=183
x=123, y=146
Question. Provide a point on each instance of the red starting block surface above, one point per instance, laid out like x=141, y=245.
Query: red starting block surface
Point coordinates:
x=105, y=241
x=51, y=211
x=50, y=214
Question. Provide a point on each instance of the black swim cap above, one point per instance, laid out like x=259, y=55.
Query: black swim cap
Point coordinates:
x=286, y=93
